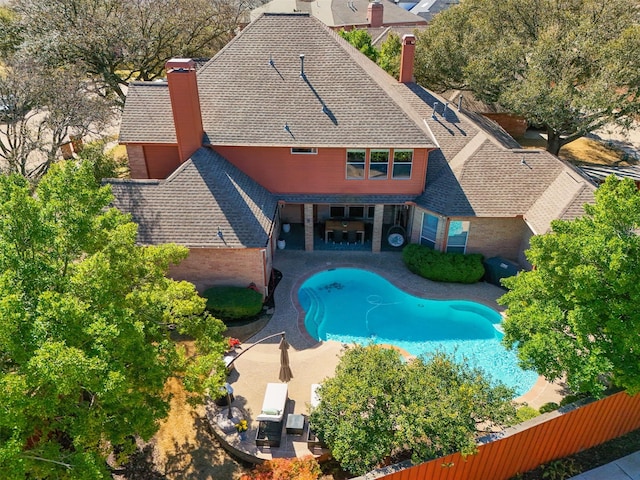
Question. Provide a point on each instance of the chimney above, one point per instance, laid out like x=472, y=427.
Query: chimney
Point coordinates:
x=406, y=58
x=375, y=11
x=185, y=105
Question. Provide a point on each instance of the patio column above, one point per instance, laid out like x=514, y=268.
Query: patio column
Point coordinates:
x=378, y=217
x=308, y=227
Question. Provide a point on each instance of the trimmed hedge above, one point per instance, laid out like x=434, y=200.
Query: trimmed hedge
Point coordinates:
x=443, y=267
x=233, y=303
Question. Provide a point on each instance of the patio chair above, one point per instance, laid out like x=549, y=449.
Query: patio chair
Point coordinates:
x=338, y=236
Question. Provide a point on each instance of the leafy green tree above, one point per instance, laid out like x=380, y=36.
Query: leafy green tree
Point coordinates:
x=576, y=314
x=85, y=350
x=118, y=41
x=568, y=66
x=361, y=40
x=377, y=406
x=389, y=56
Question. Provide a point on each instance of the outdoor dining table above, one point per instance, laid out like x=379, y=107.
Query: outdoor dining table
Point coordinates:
x=344, y=226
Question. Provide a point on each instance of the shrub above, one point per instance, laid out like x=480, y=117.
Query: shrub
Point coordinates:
x=526, y=413
x=572, y=398
x=233, y=303
x=549, y=407
x=443, y=267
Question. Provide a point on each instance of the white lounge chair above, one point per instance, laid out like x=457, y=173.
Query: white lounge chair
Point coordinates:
x=274, y=403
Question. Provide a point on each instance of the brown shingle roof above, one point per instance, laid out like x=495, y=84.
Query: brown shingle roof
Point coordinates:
x=343, y=99
x=147, y=116
x=204, y=195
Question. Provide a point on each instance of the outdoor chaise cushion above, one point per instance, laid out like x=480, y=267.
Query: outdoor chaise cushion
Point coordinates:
x=315, y=399
x=274, y=403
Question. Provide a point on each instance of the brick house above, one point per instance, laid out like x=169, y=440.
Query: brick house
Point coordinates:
x=290, y=124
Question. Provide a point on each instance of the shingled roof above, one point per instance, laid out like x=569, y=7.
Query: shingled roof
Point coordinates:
x=481, y=171
x=252, y=88
x=204, y=196
x=339, y=13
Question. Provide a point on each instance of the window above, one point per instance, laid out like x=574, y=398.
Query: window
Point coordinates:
x=378, y=164
x=304, y=150
x=402, y=160
x=429, y=230
x=355, y=164
x=337, y=211
x=356, y=212
x=371, y=211
x=457, y=236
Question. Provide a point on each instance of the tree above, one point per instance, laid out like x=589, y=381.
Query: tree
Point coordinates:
x=10, y=34
x=361, y=40
x=576, y=314
x=377, y=406
x=42, y=107
x=569, y=67
x=389, y=55
x=85, y=350
x=117, y=41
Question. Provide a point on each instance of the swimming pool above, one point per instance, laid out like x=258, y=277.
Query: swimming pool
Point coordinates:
x=351, y=305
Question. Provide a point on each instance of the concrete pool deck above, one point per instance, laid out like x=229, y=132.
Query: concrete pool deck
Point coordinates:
x=311, y=361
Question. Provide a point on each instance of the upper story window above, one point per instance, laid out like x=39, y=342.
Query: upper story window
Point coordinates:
x=355, y=164
x=457, y=236
x=378, y=164
x=402, y=161
x=304, y=150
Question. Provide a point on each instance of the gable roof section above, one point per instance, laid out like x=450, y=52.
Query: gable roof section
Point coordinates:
x=147, y=117
x=481, y=171
x=204, y=195
x=342, y=100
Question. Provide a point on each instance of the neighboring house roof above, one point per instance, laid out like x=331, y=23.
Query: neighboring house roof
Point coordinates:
x=380, y=34
x=204, y=195
x=343, y=100
x=338, y=13
x=481, y=171
x=427, y=9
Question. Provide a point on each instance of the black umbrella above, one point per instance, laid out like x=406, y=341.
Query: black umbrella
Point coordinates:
x=285, y=369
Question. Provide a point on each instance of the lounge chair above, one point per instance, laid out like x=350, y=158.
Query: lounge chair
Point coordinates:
x=271, y=415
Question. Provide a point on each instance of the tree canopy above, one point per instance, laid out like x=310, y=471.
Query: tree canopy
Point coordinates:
x=360, y=39
x=569, y=67
x=41, y=108
x=85, y=350
x=378, y=405
x=576, y=313
x=117, y=41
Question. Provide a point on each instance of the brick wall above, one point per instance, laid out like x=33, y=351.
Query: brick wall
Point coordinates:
x=513, y=124
x=496, y=237
x=206, y=267
x=137, y=163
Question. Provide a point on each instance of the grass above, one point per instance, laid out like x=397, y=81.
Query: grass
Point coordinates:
x=585, y=460
x=583, y=151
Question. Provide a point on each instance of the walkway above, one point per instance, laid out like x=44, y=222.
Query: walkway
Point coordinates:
x=625, y=468
x=312, y=361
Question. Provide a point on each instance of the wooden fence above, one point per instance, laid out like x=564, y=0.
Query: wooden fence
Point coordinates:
x=562, y=435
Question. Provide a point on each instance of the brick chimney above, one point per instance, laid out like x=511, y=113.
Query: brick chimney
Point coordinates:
x=375, y=11
x=406, y=58
x=185, y=105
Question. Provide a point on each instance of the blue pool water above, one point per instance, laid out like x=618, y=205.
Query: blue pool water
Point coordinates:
x=350, y=305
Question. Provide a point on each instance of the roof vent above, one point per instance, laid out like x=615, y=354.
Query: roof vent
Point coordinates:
x=444, y=111
x=302, y=65
x=435, y=109
x=460, y=102
x=271, y=64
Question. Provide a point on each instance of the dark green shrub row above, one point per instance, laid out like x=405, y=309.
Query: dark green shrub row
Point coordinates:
x=549, y=407
x=443, y=267
x=232, y=303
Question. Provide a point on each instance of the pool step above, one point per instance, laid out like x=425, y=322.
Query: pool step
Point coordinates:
x=314, y=314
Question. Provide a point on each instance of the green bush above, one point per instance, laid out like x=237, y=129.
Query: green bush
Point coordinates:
x=526, y=413
x=549, y=407
x=443, y=267
x=572, y=398
x=233, y=303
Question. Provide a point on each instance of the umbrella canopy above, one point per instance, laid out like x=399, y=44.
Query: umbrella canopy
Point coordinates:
x=285, y=369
